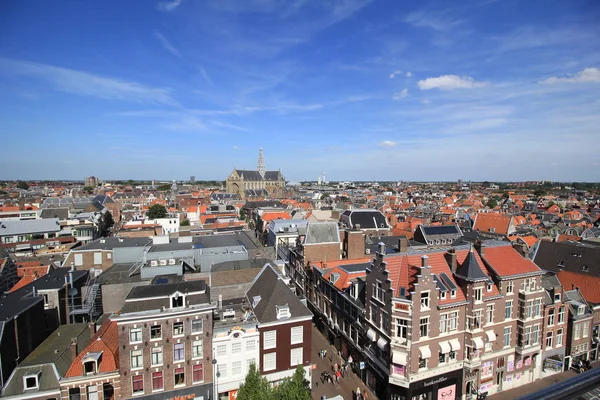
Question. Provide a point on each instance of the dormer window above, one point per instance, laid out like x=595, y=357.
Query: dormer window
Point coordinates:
x=581, y=310
x=177, y=300
x=489, y=287
x=31, y=380
x=585, y=268
x=442, y=295
x=283, y=311
x=334, y=277
x=453, y=293
x=90, y=362
x=557, y=297
x=89, y=367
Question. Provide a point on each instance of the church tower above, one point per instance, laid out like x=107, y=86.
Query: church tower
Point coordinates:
x=261, y=163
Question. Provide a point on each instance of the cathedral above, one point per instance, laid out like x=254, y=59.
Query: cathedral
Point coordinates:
x=259, y=183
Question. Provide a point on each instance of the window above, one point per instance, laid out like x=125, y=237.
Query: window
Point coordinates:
x=137, y=384
x=236, y=347
x=508, y=310
x=89, y=367
x=157, y=381
x=236, y=368
x=527, y=341
x=250, y=345
x=490, y=314
x=510, y=287
x=561, y=315
x=577, y=331
x=489, y=287
x=536, y=334
x=453, y=293
x=157, y=355
x=74, y=394
x=135, y=335
x=556, y=297
x=198, y=373
x=221, y=350
x=178, y=329
x=222, y=370
x=155, y=332
x=378, y=291
x=442, y=358
x=477, y=294
x=586, y=328
x=179, y=377
x=31, y=381
x=137, y=359
x=422, y=363
x=296, y=356
x=506, y=336
x=476, y=319
x=92, y=392
x=424, y=327
x=269, y=340
x=424, y=300
x=559, y=337
x=269, y=361
x=537, y=308
x=97, y=258
x=528, y=284
x=401, y=328
x=452, y=356
x=197, y=326
x=549, y=340
x=178, y=351
x=176, y=301
x=297, y=334
x=442, y=295
x=528, y=309
x=197, y=349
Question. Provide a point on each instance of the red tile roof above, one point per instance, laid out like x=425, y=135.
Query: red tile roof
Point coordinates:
x=506, y=261
x=26, y=280
x=335, y=263
x=588, y=285
x=345, y=278
x=106, y=341
x=486, y=221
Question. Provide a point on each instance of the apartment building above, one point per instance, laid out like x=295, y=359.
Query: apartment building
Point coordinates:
x=580, y=328
x=452, y=322
x=165, y=340
x=556, y=314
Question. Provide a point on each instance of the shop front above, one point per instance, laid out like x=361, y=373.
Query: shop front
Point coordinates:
x=447, y=386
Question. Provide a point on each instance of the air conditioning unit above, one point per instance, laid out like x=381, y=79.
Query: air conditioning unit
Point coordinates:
x=171, y=261
x=163, y=263
x=154, y=263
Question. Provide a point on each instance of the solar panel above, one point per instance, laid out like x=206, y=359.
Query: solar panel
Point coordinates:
x=447, y=281
x=162, y=280
x=439, y=230
x=438, y=282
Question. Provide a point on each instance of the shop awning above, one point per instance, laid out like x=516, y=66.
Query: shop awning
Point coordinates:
x=478, y=343
x=444, y=347
x=455, y=344
x=425, y=352
x=491, y=336
x=381, y=343
x=399, y=358
x=371, y=335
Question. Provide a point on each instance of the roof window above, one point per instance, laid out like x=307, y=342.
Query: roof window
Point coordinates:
x=31, y=380
x=585, y=268
x=283, y=311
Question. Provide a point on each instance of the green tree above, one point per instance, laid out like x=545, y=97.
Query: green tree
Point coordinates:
x=242, y=214
x=88, y=189
x=165, y=187
x=22, y=185
x=491, y=203
x=185, y=222
x=294, y=388
x=156, y=211
x=255, y=387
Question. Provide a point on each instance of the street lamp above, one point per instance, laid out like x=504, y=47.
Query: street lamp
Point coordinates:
x=215, y=376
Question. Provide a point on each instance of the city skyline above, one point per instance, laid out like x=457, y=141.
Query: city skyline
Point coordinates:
x=365, y=90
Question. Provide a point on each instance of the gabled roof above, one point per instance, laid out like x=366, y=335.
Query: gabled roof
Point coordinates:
x=344, y=277
x=588, y=285
x=105, y=341
x=500, y=223
x=249, y=175
x=505, y=261
x=574, y=257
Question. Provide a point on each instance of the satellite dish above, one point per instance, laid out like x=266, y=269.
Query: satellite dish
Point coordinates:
x=73, y=291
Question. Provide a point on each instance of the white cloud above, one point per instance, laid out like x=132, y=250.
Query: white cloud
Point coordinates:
x=450, y=82
x=168, y=5
x=235, y=147
x=87, y=84
x=166, y=44
x=387, y=143
x=395, y=73
x=206, y=76
x=433, y=20
x=425, y=101
x=401, y=95
x=187, y=123
x=408, y=74
x=589, y=75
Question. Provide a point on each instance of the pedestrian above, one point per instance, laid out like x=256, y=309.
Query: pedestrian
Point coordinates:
x=338, y=374
x=365, y=395
x=335, y=367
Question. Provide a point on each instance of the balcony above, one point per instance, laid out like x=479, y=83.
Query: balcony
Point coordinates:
x=472, y=364
x=529, y=349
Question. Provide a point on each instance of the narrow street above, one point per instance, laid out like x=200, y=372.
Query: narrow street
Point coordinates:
x=347, y=385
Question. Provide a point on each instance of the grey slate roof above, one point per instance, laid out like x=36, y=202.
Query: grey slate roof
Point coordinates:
x=159, y=290
x=573, y=257
x=55, y=350
x=239, y=265
x=470, y=270
x=273, y=292
x=322, y=232
x=51, y=212
x=31, y=226
x=249, y=175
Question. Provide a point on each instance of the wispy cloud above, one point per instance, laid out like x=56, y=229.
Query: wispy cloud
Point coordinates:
x=394, y=74
x=400, y=95
x=206, y=77
x=168, y=6
x=588, y=75
x=435, y=20
x=88, y=84
x=450, y=82
x=166, y=44
x=187, y=123
x=387, y=143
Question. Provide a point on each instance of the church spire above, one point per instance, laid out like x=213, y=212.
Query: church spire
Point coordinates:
x=261, y=163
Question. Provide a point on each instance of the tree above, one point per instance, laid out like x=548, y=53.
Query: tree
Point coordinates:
x=242, y=214
x=88, y=189
x=255, y=387
x=185, y=222
x=165, y=187
x=294, y=388
x=156, y=211
x=492, y=203
x=22, y=185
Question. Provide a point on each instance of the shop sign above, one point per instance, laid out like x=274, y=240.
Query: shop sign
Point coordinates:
x=447, y=393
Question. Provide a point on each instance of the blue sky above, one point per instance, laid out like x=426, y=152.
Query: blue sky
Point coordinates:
x=363, y=90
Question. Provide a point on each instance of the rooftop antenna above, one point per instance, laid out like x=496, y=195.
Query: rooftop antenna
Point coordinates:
x=261, y=163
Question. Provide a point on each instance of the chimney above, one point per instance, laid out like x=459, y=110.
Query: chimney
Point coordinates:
x=479, y=247
x=424, y=260
x=92, y=327
x=450, y=257
x=403, y=244
x=74, y=347
x=381, y=247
